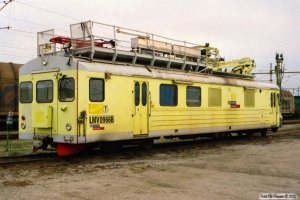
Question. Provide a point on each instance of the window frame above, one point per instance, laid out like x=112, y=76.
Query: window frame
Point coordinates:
x=272, y=100
x=144, y=93
x=200, y=102
x=73, y=90
x=176, y=94
x=103, y=89
x=31, y=92
x=137, y=90
x=36, y=91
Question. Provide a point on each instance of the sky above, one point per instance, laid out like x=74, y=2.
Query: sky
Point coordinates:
x=238, y=28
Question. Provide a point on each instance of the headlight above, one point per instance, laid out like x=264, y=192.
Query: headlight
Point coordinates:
x=23, y=125
x=68, y=126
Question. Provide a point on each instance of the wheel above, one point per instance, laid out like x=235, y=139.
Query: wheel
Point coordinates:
x=218, y=135
x=110, y=147
x=274, y=130
x=240, y=134
x=263, y=132
x=148, y=144
x=249, y=134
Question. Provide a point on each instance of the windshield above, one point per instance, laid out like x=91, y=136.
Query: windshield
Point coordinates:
x=66, y=89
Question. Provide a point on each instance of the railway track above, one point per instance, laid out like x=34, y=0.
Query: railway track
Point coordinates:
x=9, y=160
x=291, y=121
x=135, y=152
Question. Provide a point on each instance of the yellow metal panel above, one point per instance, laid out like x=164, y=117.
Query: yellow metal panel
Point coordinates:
x=233, y=97
x=43, y=118
x=95, y=108
x=39, y=117
x=214, y=97
x=249, y=96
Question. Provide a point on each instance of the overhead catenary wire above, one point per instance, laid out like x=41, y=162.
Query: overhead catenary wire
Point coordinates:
x=14, y=30
x=6, y=27
x=23, y=31
x=16, y=55
x=23, y=35
x=14, y=47
x=46, y=10
x=27, y=45
x=30, y=22
x=20, y=54
x=261, y=77
x=5, y=4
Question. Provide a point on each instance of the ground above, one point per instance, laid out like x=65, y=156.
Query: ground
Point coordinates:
x=223, y=169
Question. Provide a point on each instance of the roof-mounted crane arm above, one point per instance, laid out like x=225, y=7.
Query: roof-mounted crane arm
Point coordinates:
x=238, y=66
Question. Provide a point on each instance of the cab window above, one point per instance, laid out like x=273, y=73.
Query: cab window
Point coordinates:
x=44, y=91
x=66, y=89
x=193, y=96
x=96, y=90
x=168, y=95
x=26, y=92
x=136, y=94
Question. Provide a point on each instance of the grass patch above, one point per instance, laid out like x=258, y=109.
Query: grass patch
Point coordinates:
x=10, y=132
x=18, y=147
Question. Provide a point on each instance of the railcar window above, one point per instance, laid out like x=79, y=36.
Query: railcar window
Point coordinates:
x=271, y=98
x=96, y=90
x=26, y=92
x=214, y=97
x=66, y=91
x=193, y=96
x=168, y=95
x=249, y=98
x=44, y=91
x=144, y=94
x=137, y=94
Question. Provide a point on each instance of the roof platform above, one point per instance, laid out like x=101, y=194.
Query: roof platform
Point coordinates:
x=113, y=44
x=138, y=58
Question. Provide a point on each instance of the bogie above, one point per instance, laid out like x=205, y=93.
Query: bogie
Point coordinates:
x=263, y=132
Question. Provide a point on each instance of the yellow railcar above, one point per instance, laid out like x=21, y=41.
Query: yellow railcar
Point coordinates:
x=69, y=101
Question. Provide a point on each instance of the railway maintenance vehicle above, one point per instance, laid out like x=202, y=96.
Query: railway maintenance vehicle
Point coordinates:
x=112, y=85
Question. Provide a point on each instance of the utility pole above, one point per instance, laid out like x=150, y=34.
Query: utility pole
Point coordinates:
x=279, y=70
x=271, y=73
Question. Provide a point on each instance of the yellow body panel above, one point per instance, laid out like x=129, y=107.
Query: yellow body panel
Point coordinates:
x=117, y=116
x=43, y=118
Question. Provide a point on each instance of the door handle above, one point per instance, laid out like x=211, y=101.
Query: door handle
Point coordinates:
x=64, y=108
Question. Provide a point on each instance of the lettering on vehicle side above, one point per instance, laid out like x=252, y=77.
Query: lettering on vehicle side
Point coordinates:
x=96, y=121
x=104, y=119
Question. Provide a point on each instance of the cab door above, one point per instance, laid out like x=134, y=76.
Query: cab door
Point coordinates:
x=44, y=104
x=67, y=105
x=141, y=108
